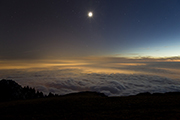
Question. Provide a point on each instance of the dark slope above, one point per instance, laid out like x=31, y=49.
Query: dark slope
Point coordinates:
x=10, y=90
x=89, y=105
x=92, y=106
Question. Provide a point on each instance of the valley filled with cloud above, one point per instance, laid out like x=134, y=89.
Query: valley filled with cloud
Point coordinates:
x=110, y=78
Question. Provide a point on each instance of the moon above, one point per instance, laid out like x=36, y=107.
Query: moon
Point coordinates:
x=90, y=14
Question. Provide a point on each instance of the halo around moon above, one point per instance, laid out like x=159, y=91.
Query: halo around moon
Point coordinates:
x=90, y=14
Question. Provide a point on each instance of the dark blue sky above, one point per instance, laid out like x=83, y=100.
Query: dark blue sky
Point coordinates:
x=52, y=29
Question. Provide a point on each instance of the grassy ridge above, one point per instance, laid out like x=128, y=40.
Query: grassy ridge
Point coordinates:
x=94, y=106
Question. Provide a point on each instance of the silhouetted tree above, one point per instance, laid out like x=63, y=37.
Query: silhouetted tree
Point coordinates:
x=50, y=95
x=10, y=90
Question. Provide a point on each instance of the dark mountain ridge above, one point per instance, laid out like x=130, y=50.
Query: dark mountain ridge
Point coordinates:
x=85, y=105
x=10, y=90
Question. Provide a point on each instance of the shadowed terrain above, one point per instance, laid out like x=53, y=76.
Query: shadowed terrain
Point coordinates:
x=10, y=90
x=92, y=105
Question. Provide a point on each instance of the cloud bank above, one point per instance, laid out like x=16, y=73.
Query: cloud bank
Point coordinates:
x=61, y=80
x=116, y=84
x=111, y=76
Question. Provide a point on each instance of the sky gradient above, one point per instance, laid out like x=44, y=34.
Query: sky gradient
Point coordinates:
x=127, y=47
x=56, y=29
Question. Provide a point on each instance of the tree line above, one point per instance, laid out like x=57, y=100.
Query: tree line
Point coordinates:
x=10, y=90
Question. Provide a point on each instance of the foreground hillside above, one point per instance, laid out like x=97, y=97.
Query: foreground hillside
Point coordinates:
x=25, y=103
x=92, y=106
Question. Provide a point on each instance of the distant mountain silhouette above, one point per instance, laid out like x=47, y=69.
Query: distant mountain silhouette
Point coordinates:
x=10, y=90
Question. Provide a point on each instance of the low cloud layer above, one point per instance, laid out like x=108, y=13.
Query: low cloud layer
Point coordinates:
x=147, y=77
x=116, y=84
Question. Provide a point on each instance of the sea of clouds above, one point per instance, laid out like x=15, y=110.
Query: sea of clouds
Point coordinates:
x=151, y=77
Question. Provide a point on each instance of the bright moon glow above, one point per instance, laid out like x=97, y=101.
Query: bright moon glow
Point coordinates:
x=90, y=14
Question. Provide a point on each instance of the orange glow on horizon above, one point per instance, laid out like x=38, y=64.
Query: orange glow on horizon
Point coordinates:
x=107, y=66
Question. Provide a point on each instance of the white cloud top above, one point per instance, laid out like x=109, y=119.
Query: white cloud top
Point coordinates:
x=149, y=77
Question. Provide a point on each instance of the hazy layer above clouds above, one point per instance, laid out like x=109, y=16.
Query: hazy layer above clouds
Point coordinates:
x=112, y=76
